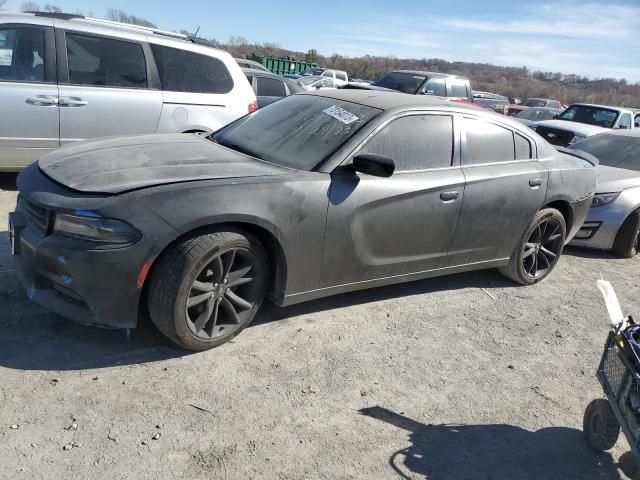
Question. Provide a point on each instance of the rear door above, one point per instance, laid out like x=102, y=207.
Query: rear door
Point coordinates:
x=29, y=127
x=383, y=227
x=106, y=87
x=505, y=187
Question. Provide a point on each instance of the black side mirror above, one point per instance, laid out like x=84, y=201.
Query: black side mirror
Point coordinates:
x=374, y=164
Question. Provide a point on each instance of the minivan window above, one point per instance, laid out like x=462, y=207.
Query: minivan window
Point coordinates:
x=415, y=142
x=22, y=54
x=487, y=143
x=183, y=71
x=105, y=62
x=270, y=87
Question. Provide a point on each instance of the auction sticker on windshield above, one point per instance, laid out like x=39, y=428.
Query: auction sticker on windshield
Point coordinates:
x=340, y=114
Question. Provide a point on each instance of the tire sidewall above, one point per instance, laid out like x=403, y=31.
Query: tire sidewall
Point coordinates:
x=540, y=216
x=182, y=329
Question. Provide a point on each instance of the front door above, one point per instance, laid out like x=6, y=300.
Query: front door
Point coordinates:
x=105, y=89
x=28, y=94
x=384, y=227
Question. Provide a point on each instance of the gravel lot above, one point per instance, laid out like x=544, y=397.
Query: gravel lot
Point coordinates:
x=461, y=377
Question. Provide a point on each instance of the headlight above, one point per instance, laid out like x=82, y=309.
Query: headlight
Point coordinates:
x=95, y=229
x=576, y=139
x=600, y=199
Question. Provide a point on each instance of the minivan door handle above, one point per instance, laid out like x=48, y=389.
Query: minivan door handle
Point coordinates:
x=72, y=102
x=447, y=197
x=535, y=182
x=43, y=100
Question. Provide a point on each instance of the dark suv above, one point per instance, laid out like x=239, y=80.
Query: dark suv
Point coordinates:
x=417, y=82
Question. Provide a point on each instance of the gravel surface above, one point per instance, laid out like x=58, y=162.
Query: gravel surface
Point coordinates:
x=460, y=377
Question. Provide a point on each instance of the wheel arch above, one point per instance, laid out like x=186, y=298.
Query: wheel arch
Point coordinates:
x=564, y=207
x=268, y=238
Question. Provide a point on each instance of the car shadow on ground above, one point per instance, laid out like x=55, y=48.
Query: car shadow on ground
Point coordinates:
x=591, y=253
x=499, y=452
x=8, y=181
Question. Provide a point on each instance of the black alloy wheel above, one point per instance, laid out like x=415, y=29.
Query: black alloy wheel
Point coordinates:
x=543, y=248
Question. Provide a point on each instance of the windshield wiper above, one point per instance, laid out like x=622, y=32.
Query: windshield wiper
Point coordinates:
x=241, y=149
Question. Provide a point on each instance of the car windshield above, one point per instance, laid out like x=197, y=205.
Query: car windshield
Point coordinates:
x=300, y=131
x=620, y=151
x=403, y=82
x=312, y=72
x=591, y=115
x=533, y=102
x=536, y=114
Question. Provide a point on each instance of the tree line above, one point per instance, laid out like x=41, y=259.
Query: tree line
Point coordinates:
x=518, y=82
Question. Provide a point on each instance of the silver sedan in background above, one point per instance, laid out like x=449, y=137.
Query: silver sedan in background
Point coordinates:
x=613, y=222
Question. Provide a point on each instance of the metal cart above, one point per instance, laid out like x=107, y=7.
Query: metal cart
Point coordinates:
x=620, y=379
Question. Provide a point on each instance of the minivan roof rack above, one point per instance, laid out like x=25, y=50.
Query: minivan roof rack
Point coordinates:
x=60, y=15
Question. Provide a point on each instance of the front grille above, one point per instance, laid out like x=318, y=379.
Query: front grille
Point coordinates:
x=34, y=215
x=555, y=136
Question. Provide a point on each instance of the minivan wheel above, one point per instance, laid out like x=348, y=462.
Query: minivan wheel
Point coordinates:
x=627, y=241
x=539, y=249
x=205, y=290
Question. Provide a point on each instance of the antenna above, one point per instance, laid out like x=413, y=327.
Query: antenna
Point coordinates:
x=197, y=30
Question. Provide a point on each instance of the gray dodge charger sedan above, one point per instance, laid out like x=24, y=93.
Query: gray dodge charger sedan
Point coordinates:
x=314, y=195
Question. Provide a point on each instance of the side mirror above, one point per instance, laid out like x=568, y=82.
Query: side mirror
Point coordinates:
x=622, y=127
x=374, y=164
x=556, y=115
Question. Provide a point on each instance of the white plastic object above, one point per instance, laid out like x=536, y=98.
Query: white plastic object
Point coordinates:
x=612, y=303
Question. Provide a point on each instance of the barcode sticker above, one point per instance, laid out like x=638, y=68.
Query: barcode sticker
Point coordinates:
x=340, y=114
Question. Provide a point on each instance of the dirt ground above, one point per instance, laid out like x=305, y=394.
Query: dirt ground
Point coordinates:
x=461, y=377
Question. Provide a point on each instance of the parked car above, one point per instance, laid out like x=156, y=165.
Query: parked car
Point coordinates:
x=270, y=87
x=66, y=78
x=316, y=83
x=534, y=102
x=317, y=194
x=582, y=120
x=425, y=83
x=339, y=77
x=292, y=76
x=245, y=63
x=536, y=114
x=492, y=101
x=613, y=222
x=515, y=101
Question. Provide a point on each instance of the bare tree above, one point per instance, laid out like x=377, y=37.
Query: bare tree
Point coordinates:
x=52, y=8
x=123, y=17
x=30, y=7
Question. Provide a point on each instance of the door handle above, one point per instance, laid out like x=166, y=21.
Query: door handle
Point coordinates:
x=447, y=197
x=535, y=182
x=72, y=102
x=43, y=100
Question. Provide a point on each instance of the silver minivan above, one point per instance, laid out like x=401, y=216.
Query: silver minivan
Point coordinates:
x=65, y=78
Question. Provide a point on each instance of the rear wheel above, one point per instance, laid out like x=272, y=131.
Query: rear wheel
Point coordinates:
x=205, y=290
x=627, y=241
x=600, y=426
x=539, y=249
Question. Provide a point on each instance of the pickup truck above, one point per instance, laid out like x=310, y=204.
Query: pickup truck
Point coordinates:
x=582, y=120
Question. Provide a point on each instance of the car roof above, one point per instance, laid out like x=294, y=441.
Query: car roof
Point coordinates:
x=69, y=20
x=610, y=107
x=428, y=74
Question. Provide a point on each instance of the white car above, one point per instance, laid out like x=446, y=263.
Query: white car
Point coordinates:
x=340, y=77
x=65, y=77
x=316, y=83
x=581, y=120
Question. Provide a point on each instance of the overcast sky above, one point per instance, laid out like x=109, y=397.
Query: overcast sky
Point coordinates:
x=598, y=39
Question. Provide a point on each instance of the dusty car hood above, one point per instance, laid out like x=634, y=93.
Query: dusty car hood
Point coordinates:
x=575, y=127
x=611, y=179
x=119, y=164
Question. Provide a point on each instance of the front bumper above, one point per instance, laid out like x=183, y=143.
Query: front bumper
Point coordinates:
x=71, y=277
x=601, y=226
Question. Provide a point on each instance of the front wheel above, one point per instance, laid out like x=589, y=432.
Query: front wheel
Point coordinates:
x=539, y=249
x=627, y=241
x=205, y=290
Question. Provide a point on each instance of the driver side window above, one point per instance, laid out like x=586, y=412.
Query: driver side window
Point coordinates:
x=625, y=121
x=415, y=142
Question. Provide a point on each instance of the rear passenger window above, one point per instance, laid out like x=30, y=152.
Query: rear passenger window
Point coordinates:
x=270, y=87
x=523, y=148
x=183, y=71
x=105, y=62
x=415, y=142
x=22, y=54
x=487, y=143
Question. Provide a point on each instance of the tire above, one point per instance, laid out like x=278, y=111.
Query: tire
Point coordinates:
x=209, y=272
x=600, y=426
x=520, y=266
x=627, y=240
